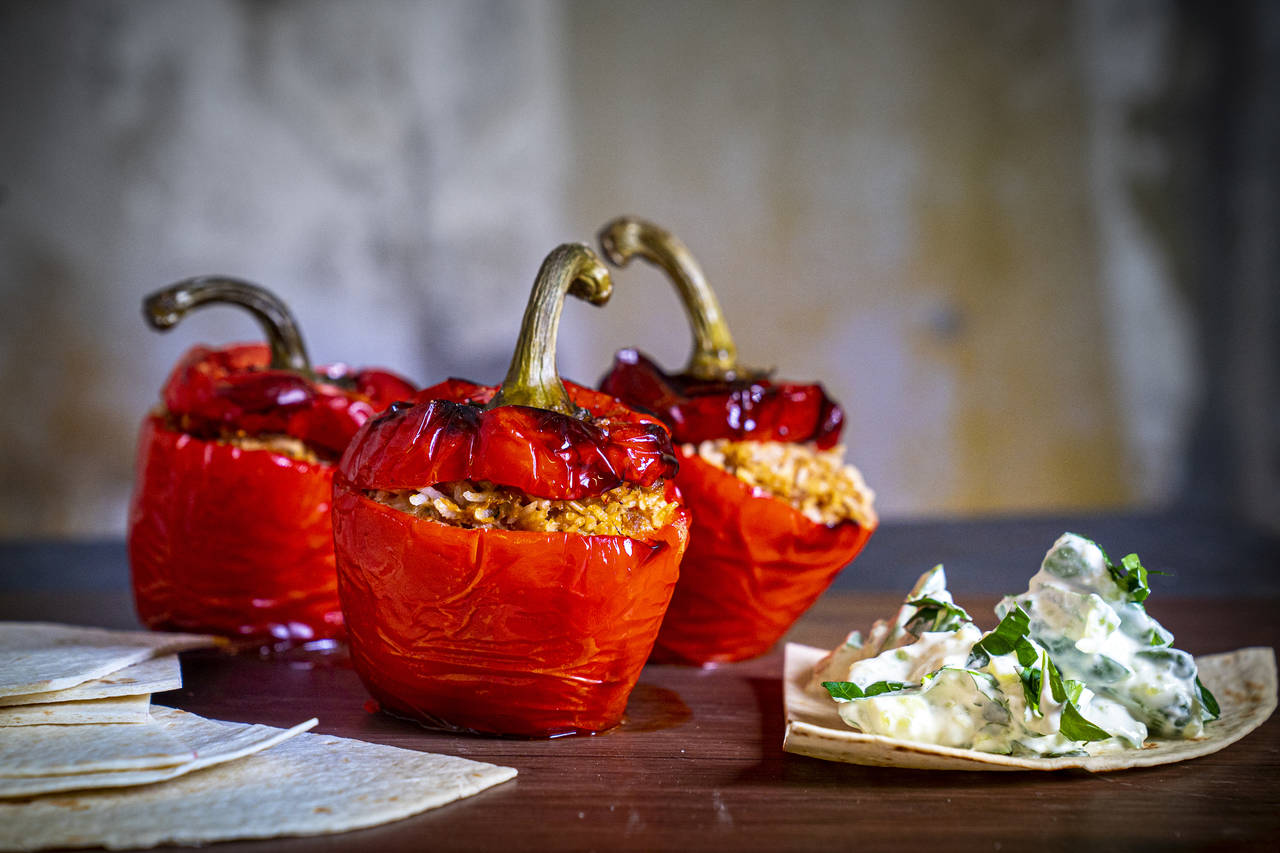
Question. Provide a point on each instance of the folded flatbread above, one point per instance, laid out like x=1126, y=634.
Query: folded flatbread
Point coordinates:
x=308, y=785
x=1243, y=681
x=207, y=742
x=36, y=657
x=150, y=676
x=113, y=709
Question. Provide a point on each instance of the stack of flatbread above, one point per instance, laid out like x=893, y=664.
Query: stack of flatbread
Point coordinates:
x=63, y=675
x=87, y=761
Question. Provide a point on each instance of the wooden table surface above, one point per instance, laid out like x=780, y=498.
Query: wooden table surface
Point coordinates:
x=698, y=763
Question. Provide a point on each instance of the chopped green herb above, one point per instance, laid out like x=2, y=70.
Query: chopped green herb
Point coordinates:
x=1031, y=686
x=1207, y=700
x=1073, y=724
x=849, y=690
x=1159, y=636
x=1130, y=576
x=934, y=615
x=1009, y=636
x=1076, y=727
x=1056, y=687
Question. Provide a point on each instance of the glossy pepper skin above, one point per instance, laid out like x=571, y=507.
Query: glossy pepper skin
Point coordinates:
x=452, y=436
x=239, y=541
x=752, y=408
x=510, y=632
x=212, y=391
x=754, y=563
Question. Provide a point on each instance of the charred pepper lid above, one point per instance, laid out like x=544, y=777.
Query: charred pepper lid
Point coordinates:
x=534, y=432
x=268, y=388
x=715, y=396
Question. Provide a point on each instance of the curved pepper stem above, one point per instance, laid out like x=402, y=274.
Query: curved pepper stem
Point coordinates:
x=532, y=379
x=165, y=308
x=714, y=355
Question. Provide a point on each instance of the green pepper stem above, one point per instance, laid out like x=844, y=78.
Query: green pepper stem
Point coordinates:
x=165, y=308
x=532, y=379
x=714, y=355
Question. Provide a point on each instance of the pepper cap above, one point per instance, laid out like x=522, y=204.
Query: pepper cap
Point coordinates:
x=264, y=388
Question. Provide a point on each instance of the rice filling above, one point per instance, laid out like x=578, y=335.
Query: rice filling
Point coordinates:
x=626, y=510
x=816, y=482
x=278, y=443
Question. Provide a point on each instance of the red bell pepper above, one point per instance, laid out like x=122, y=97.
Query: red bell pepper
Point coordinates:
x=516, y=632
x=229, y=527
x=754, y=561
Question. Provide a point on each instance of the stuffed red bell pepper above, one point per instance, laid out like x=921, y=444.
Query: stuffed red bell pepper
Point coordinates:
x=229, y=527
x=776, y=511
x=505, y=555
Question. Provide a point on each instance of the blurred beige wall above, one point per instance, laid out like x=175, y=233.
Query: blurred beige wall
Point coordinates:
x=897, y=198
x=929, y=206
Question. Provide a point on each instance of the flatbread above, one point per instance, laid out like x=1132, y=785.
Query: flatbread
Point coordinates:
x=61, y=750
x=48, y=750
x=308, y=785
x=211, y=741
x=1243, y=681
x=36, y=657
x=113, y=709
x=150, y=676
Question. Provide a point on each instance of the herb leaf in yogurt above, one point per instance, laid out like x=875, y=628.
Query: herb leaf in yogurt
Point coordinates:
x=1073, y=724
x=1009, y=636
x=1208, y=701
x=849, y=690
x=1131, y=576
x=933, y=614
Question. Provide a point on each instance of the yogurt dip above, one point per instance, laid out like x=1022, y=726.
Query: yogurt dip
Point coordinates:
x=1075, y=666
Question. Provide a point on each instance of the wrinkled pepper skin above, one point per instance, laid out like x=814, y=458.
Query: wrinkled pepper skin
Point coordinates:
x=754, y=563
x=234, y=541
x=231, y=541
x=500, y=631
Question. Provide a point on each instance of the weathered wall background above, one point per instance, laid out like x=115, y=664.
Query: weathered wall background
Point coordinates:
x=1012, y=238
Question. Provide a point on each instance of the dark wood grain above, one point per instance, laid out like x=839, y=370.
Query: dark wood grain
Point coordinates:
x=698, y=764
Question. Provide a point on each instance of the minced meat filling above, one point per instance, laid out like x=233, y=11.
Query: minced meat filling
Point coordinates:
x=816, y=482
x=284, y=445
x=622, y=511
